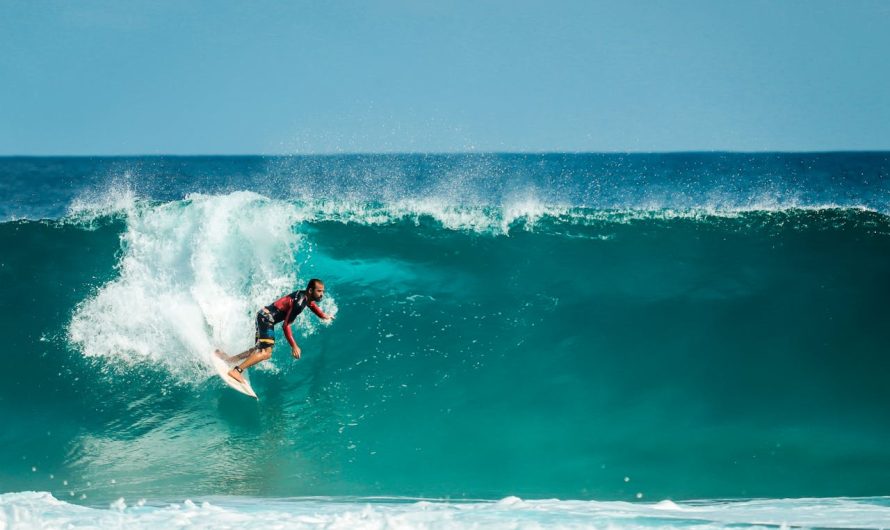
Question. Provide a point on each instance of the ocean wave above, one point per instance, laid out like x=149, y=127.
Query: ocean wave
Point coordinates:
x=518, y=346
x=581, y=336
x=192, y=272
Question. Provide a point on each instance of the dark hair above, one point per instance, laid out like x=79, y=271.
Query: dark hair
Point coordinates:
x=313, y=283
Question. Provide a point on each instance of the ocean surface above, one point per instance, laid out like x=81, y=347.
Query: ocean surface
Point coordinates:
x=696, y=340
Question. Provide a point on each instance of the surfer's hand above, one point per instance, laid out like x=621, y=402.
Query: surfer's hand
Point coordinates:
x=329, y=318
x=295, y=351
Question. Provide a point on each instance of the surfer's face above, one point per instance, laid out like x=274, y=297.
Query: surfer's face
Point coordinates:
x=317, y=293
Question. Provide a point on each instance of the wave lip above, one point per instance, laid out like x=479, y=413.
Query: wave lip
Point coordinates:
x=41, y=510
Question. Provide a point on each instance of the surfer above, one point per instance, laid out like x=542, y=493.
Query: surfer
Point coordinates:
x=285, y=309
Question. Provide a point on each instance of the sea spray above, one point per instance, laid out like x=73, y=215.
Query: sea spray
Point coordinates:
x=191, y=276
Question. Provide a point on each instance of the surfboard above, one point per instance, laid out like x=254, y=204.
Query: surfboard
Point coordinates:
x=222, y=368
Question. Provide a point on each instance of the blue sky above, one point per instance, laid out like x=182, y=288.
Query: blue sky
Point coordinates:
x=193, y=77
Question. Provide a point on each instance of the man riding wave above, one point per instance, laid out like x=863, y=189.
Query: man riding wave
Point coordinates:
x=285, y=309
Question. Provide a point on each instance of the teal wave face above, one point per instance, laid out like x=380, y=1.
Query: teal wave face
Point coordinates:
x=576, y=354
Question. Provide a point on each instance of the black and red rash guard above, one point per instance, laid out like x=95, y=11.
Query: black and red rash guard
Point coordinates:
x=286, y=309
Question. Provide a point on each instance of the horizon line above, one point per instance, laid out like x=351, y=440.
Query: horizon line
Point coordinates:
x=444, y=153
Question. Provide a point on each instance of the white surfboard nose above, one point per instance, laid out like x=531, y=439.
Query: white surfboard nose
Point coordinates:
x=222, y=368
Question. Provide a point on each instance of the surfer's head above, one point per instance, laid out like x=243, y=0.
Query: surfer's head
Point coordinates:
x=315, y=289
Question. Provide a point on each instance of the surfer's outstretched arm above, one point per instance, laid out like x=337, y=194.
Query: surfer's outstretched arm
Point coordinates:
x=318, y=312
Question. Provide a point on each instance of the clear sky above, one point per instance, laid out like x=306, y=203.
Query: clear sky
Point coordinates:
x=215, y=77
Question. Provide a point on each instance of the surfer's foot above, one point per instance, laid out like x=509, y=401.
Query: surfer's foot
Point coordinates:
x=222, y=355
x=235, y=373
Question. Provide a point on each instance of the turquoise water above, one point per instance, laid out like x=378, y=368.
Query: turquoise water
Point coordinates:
x=592, y=328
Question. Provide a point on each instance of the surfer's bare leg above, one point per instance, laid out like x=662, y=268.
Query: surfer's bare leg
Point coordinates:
x=252, y=359
x=240, y=357
x=243, y=355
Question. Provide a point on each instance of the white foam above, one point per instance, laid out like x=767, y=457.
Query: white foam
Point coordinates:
x=28, y=510
x=191, y=277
